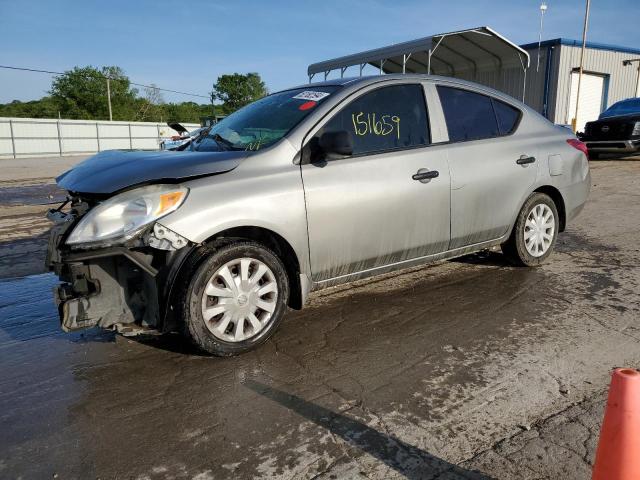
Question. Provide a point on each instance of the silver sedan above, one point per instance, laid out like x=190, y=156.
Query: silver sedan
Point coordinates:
x=306, y=188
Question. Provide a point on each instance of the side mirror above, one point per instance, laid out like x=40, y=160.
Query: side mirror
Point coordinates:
x=336, y=143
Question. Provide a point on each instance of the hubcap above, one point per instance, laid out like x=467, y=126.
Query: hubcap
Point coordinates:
x=539, y=230
x=239, y=299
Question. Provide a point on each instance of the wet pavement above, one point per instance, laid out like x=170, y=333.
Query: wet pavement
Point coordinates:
x=39, y=194
x=27, y=191
x=466, y=369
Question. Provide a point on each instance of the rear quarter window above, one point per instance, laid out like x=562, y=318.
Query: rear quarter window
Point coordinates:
x=507, y=116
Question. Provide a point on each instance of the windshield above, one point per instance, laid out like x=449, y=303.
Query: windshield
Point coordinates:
x=625, y=107
x=264, y=122
x=194, y=133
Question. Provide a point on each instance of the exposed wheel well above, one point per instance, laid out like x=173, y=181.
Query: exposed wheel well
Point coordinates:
x=556, y=196
x=279, y=246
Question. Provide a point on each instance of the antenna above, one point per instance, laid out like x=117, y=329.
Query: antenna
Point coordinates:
x=543, y=9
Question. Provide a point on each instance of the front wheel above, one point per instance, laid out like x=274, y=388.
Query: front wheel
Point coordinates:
x=534, y=233
x=236, y=298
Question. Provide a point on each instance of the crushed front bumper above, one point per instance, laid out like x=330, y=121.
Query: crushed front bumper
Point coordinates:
x=122, y=288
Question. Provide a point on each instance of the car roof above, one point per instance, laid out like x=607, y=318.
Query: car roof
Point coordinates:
x=358, y=82
x=367, y=79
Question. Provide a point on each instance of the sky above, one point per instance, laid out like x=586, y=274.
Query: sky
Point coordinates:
x=186, y=45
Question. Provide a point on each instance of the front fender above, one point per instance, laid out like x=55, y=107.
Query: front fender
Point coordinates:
x=246, y=197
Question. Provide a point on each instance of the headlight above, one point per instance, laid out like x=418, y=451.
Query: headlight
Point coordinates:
x=636, y=129
x=124, y=215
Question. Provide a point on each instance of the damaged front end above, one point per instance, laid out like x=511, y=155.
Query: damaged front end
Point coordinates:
x=116, y=262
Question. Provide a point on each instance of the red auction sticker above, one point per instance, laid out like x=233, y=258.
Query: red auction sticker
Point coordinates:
x=307, y=105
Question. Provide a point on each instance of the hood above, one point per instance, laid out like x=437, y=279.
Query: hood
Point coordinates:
x=621, y=118
x=113, y=170
x=177, y=127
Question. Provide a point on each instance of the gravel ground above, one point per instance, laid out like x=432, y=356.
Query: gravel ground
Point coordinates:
x=562, y=445
x=468, y=369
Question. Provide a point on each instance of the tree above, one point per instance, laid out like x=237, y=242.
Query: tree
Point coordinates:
x=237, y=90
x=185, y=112
x=43, y=108
x=151, y=105
x=82, y=93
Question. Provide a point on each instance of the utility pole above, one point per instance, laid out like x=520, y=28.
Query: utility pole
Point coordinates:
x=629, y=62
x=543, y=9
x=213, y=105
x=574, y=122
x=109, y=99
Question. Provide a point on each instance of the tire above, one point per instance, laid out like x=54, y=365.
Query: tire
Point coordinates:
x=233, y=329
x=536, y=250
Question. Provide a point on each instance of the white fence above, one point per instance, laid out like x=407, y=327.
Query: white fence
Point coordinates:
x=35, y=137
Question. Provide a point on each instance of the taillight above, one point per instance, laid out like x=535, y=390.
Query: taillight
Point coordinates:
x=578, y=145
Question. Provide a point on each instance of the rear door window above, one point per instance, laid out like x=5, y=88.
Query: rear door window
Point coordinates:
x=388, y=118
x=469, y=115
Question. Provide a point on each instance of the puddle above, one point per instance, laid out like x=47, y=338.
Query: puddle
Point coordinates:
x=26, y=307
x=27, y=312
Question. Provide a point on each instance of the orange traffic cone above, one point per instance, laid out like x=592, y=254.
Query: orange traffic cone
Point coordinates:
x=618, y=454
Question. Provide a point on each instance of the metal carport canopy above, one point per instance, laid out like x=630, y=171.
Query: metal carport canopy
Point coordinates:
x=465, y=52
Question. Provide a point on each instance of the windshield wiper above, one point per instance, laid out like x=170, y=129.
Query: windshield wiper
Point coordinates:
x=202, y=133
x=220, y=140
x=197, y=139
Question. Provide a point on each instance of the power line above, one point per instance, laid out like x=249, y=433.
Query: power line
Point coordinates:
x=208, y=97
x=30, y=70
x=8, y=67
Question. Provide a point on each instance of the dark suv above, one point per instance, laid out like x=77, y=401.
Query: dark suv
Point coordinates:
x=617, y=129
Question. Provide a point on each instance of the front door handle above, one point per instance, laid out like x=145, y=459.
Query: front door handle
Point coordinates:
x=524, y=160
x=424, y=176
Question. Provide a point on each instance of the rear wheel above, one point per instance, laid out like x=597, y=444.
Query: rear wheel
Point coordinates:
x=236, y=298
x=534, y=233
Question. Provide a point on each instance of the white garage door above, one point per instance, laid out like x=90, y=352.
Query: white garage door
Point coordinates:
x=591, y=98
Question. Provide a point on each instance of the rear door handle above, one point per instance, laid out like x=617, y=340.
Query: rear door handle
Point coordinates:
x=524, y=160
x=423, y=175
